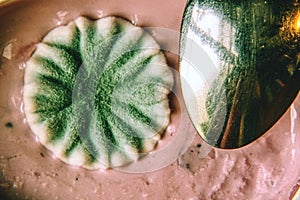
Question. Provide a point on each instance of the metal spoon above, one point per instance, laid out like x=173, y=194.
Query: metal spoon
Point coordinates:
x=239, y=66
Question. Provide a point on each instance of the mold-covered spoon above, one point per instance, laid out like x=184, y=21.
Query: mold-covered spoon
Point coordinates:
x=239, y=65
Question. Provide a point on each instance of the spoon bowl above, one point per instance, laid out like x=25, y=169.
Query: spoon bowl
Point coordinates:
x=239, y=66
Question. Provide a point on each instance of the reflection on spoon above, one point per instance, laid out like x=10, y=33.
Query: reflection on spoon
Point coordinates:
x=239, y=65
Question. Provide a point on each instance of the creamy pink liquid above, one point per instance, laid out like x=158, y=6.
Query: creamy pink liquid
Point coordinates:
x=266, y=169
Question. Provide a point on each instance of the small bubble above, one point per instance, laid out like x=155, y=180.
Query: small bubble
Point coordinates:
x=171, y=130
x=100, y=13
x=22, y=65
x=53, y=156
x=135, y=20
x=95, y=190
x=61, y=16
x=22, y=107
x=102, y=170
x=36, y=139
x=145, y=195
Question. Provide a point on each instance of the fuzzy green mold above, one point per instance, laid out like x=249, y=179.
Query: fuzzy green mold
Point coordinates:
x=96, y=92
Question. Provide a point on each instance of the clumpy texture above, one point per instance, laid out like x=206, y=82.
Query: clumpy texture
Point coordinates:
x=265, y=170
x=95, y=92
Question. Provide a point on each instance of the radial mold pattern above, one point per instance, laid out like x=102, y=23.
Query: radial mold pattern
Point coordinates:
x=96, y=92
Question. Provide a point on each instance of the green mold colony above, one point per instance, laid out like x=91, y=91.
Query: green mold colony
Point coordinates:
x=96, y=92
